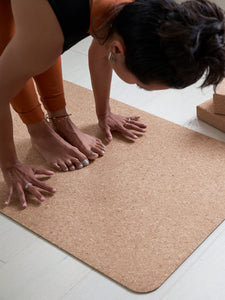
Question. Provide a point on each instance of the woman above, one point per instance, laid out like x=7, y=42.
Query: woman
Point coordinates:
x=156, y=44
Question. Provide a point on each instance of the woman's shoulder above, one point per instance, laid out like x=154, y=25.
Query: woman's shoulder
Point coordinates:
x=100, y=7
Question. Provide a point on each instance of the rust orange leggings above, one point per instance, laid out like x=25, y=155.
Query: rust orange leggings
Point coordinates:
x=49, y=84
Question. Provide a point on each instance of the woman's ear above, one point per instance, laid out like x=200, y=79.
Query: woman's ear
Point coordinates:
x=118, y=47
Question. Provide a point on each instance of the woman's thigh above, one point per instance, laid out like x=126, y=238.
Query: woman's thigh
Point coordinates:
x=7, y=28
x=38, y=30
x=37, y=43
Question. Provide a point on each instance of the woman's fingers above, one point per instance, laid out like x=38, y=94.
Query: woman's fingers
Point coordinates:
x=128, y=133
x=34, y=191
x=108, y=134
x=125, y=125
x=139, y=124
x=10, y=192
x=21, y=195
x=42, y=171
x=43, y=186
x=135, y=127
x=21, y=179
x=133, y=118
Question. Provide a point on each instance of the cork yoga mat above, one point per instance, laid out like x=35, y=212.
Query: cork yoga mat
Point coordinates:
x=138, y=212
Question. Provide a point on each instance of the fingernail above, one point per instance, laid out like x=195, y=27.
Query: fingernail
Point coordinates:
x=94, y=154
x=85, y=162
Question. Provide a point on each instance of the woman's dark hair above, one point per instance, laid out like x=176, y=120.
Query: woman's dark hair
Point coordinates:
x=173, y=43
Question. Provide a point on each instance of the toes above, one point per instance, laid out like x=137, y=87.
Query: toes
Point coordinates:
x=77, y=154
x=70, y=165
x=100, y=144
x=77, y=163
x=55, y=166
x=85, y=162
x=83, y=158
x=60, y=166
x=63, y=166
x=102, y=150
x=99, y=150
x=92, y=154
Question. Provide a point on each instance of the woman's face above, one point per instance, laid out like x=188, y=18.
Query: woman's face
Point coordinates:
x=121, y=70
x=116, y=57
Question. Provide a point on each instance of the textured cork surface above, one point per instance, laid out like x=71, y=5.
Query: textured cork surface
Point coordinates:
x=219, y=99
x=206, y=113
x=137, y=213
x=219, y=104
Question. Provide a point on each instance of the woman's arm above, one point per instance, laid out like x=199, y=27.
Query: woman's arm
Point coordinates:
x=101, y=75
x=30, y=52
x=16, y=175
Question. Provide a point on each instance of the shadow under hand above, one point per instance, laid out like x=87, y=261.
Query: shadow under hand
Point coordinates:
x=94, y=130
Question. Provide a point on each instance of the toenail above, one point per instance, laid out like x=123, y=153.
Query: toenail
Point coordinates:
x=85, y=162
x=102, y=152
x=94, y=154
x=66, y=169
x=80, y=166
x=72, y=168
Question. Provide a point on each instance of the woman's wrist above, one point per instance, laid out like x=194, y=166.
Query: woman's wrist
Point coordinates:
x=103, y=113
x=10, y=164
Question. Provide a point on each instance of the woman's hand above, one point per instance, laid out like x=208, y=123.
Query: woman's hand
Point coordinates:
x=21, y=178
x=111, y=122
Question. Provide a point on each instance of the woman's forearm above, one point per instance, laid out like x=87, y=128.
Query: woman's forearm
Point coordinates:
x=101, y=75
x=8, y=156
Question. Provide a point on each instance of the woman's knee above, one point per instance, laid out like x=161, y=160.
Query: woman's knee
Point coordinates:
x=7, y=25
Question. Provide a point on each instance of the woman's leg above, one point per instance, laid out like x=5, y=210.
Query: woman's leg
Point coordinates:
x=51, y=91
x=57, y=152
x=50, y=87
x=26, y=103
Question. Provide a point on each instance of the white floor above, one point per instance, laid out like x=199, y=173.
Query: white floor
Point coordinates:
x=33, y=269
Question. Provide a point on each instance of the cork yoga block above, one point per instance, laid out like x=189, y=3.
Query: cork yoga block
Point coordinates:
x=206, y=113
x=219, y=99
x=219, y=104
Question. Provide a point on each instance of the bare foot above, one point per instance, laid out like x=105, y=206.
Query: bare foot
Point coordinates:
x=91, y=146
x=58, y=153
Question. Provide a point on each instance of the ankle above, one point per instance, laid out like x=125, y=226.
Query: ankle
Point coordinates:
x=34, y=129
x=58, y=113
